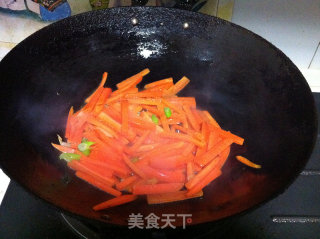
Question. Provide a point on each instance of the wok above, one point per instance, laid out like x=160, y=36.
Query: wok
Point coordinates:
x=249, y=85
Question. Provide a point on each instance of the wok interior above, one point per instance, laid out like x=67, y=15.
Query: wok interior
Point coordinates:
x=250, y=87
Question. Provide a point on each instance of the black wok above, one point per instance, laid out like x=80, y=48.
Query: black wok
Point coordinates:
x=250, y=86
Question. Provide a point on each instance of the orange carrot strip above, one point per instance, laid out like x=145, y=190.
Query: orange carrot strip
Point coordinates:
x=145, y=101
x=126, y=182
x=111, y=165
x=160, y=88
x=102, y=100
x=143, y=94
x=183, y=137
x=205, y=132
x=113, y=113
x=133, y=167
x=172, y=162
x=62, y=148
x=177, y=87
x=103, y=81
x=68, y=126
x=77, y=166
x=180, y=101
x=93, y=100
x=247, y=162
x=159, y=82
x=107, y=130
x=209, y=178
x=173, y=107
x=97, y=183
x=156, y=188
x=214, y=138
x=139, y=141
x=196, y=114
x=171, y=197
x=147, y=147
x=115, y=202
x=152, y=109
x=132, y=78
x=190, y=172
x=163, y=118
x=191, y=118
x=102, y=170
x=213, y=152
x=167, y=176
x=124, y=117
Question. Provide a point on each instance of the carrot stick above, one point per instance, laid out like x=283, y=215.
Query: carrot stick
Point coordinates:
x=159, y=82
x=126, y=182
x=97, y=183
x=77, y=166
x=209, y=178
x=172, y=162
x=152, y=109
x=191, y=118
x=143, y=94
x=166, y=176
x=93, y=100
x=156, y=188
x=111, y=165
x=62, y=148
x=212, y=153
x=102, y=100
x=177, y=87
x=68, y=126
x=145, y=101
x=171, y=197
x=103, y=81
x=183, y=137
x=190, y=172
x=247, y=162
x=139, y=141
x=213, y=139
x=124, y=117
x=163, y=118
x=205, y=132
x=180, y=101
x=115, y=202
x=133, y=167
x=133, y=78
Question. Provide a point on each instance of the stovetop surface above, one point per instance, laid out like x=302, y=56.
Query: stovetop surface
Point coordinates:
x=295, y=214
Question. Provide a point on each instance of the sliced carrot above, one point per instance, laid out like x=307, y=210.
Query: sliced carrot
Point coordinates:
x=212, y=153
x=183, y=137
x=213, y=139
x=145, y=101
x=133, y=78
x=156, y=188
x=171, y=197
x=172, y=162
x=68, y=126
x=139, y=141
x=77, y=166
x=102, y=100
x=163, y=118
x=190, y=172
x=115, y=202
x=126, y=182
x=191, y=118
x=167, y=176
x=177, y=87
x=247, y=162
x=180, y=101
x=97, y=183
x=208, y=179
x=133, y=167
x=205, y=171
x=159, y=82
x=152, y=109
x=144, y=94
x=124, y=117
